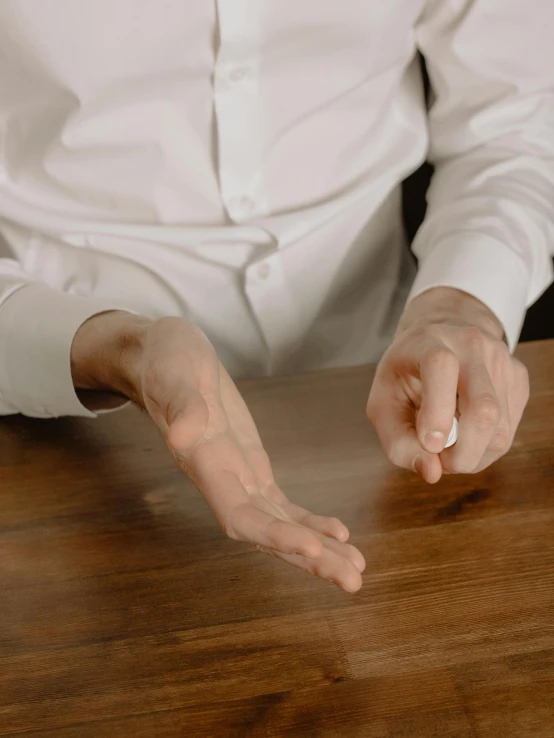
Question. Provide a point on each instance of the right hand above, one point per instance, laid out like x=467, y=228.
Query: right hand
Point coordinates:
x=170, y=368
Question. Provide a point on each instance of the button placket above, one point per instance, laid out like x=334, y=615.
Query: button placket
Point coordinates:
x=274, y=306
x=237, y=107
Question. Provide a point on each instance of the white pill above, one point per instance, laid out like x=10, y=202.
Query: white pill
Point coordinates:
x=453, y=437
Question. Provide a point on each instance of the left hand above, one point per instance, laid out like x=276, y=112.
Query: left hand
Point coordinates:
x=448, y=357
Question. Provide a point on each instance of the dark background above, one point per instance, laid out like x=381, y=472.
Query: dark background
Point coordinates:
x=539, y=322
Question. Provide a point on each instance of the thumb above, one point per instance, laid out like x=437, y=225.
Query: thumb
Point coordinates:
x=187, y=420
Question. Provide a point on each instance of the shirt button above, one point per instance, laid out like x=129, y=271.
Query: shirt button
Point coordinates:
x=241, y=206
x=263, y=270
x=237, y=74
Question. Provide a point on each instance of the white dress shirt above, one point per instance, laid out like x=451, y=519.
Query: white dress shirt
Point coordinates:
x=238, y=163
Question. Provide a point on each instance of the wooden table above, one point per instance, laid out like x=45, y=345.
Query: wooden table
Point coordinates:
x=125, y=612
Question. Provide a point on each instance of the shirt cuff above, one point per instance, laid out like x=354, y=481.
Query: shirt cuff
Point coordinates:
x=37, y=327
x=484, y=268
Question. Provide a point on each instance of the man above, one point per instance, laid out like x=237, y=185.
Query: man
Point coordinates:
x=196, y=190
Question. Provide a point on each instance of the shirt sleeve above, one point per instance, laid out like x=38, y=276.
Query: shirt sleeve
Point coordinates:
x=489, y=228
x=37, y=327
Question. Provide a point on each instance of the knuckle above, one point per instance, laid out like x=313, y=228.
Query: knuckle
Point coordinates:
x=502, y=439
x=500, y=443
x=424, y=333
x=419, y=333
x=442, y=358
x=486, y=412
x=474, y=339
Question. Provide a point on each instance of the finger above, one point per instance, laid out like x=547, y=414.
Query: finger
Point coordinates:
x=394, y=423
x=319, y=524
x=346, y=550
x=329, y=566
x=331, y=527
x=480, y=414
x=518, y=394
x=512, y=412
x=248, y=516
x=244, y=513
x=439, y=369
x=248, y=523
x=499, y=443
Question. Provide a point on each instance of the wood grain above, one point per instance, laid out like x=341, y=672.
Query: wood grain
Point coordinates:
x=125, y=612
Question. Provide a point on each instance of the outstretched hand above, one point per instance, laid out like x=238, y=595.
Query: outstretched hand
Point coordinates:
x=177, y=377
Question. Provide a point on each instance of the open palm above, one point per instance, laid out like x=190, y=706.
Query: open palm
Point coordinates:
x=213, y=438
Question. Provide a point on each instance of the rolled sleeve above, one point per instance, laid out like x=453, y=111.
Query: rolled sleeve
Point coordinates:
x=37, y=327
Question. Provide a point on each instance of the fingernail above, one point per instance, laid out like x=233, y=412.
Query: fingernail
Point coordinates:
x=434, y=441
x=418, y=465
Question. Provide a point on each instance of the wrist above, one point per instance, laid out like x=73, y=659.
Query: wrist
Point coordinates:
x=106, y=351
x=451, y=306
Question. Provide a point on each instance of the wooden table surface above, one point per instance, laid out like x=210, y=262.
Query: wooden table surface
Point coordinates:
x=125, y=612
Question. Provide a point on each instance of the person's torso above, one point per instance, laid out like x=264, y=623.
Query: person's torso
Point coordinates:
x=236, y=162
